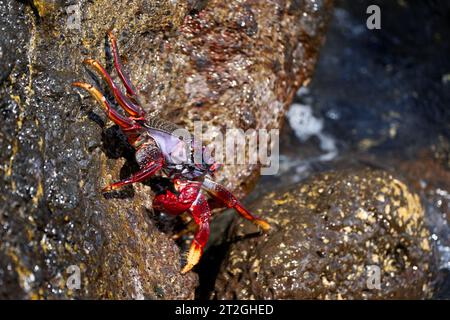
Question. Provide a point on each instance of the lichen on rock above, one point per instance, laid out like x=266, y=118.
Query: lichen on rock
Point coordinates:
x=235, y=63
x=329, y=232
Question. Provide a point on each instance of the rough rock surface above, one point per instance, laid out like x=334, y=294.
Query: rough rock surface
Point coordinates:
x=234, y=63
x=327, y=231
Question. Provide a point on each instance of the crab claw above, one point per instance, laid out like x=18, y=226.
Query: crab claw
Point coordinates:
x=201, y=213
x=195, y=252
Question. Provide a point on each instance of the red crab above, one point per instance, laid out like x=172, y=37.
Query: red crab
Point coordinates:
x=159, y=151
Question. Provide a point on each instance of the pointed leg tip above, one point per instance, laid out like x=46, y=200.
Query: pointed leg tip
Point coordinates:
x=107, y=189
x=178, y=235
x=265, y=226
x=195, y=252
x=81, y=85
x=188, y=267
x=111, y=35
x=175, y=236
x=89, y=61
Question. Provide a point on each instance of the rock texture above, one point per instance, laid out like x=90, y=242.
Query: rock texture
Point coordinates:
x=327, y=232
x=233, y=63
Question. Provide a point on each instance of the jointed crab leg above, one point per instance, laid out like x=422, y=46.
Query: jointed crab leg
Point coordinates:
x=122, y=121
x=146, y=172
x=226, y=197
x=130, y=128
x=197, y=196
x=132, y=109
x=200, y=212
x=189, y=228
x=118, y=65
x=188, y=196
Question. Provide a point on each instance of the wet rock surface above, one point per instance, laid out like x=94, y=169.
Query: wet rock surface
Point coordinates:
x=379, y=98
x=327, y=231
x=235, y=65
x=231, y=64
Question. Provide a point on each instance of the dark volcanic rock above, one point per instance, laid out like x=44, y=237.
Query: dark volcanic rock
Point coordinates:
x=229, y=63
x=14, y=36
x=327, y=232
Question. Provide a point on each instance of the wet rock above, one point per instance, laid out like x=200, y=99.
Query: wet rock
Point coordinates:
x=428, y=173
x=327, y=232
x=213, y=62
x=376, y=110
x=233, y=65
x=13, y=26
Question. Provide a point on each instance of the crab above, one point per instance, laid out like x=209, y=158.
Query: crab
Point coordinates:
x=158, y=151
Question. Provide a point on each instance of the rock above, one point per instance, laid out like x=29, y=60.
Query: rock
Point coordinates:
x=428, y=173
x=235, y=63
x=327, y=232
x=354, y=95
x=13, y=25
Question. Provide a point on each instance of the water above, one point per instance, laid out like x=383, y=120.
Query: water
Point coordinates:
x=379, y=98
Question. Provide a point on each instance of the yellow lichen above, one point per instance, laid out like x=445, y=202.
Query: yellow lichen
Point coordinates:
x=45, y=7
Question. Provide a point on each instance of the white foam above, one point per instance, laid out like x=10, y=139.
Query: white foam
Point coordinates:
x=306, y=125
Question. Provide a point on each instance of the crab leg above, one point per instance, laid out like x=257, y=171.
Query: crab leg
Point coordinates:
x=122, y=121
x=189, y=228
x=200, y=212
x=132, y=109
x=226, y=197
x=147, y=171
x=118, y=65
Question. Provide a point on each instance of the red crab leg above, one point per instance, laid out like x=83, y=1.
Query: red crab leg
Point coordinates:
x=132, y=109
x=226, y=197
x=200, y=212
x=147, y=171
x=122, y=121
x=118, y=65
x=180, y=201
